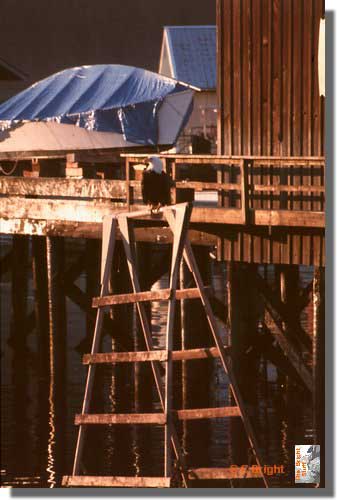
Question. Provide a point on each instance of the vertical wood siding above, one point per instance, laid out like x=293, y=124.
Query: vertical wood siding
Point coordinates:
x=268, y=78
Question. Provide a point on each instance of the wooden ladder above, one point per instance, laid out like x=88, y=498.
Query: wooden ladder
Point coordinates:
x=177, y=217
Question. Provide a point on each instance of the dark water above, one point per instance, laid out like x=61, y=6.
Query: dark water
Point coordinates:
x=38, y=435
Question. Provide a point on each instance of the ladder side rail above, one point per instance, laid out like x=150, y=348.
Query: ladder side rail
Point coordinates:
x=108, y=246
x=125, y=227
x=190, y=260
x=182, y=218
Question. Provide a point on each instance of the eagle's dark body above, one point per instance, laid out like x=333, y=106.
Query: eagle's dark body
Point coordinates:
x=156, y=188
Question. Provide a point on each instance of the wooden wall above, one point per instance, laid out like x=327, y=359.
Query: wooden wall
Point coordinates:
x=268, y=92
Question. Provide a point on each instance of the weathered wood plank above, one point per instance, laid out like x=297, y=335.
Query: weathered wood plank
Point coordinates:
x=215, y=158
x=206, y=237
x=73, y=229
x=90, y=211
x=63, y=187
x=155, y=418
x=205, y=413
x=200, y=353
x=157, y=355
x=71, y=210
x=291, y=189
x=153, y=295
x=201, y=186
x=124, y=357
x=116, y=481
x=293, y=218
x=234, y=472
x=120, y=418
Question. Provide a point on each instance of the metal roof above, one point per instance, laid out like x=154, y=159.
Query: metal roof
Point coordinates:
x=192, y=51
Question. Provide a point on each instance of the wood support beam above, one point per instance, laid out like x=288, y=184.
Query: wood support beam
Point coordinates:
x=275, y=327
x=13, y=207
x=277, y=307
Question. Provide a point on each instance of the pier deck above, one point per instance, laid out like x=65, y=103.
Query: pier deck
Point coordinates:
x=261, y=209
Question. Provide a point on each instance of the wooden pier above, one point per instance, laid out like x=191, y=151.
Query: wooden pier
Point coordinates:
x=271, y=212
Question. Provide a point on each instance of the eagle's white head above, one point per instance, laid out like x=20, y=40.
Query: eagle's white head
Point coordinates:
x=155, y=165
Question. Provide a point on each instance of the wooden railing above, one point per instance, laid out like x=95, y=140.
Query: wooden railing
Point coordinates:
x=260, y=191
x=257, y=188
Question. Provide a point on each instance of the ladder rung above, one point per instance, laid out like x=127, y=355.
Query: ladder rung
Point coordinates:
x=152, y=295
x=203, y=413
x=117, y=481
x=124, y=357
x=234, y=472
x=120, y=418
x=200, y=353
x=159, y=355
x=155, y=418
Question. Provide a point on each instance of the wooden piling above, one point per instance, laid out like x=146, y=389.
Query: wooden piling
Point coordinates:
x=243, y=314
x=39, y=260
x=20, y=255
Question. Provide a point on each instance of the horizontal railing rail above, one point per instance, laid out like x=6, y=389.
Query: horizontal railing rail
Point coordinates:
x=246, y=190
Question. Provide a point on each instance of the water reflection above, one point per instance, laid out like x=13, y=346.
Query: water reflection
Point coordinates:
x=35, y=420
x=51, y=439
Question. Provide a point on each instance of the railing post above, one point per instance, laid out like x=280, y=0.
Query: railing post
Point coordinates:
x=221, y=203
x=244, y=191
x=220, y=180
x=129, y=189
x=174, y=178
x=164, y=160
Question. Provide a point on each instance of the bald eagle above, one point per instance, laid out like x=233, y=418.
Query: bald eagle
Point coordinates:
x=156, y=185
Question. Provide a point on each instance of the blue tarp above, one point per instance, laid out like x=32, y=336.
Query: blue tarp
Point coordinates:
x=106, y=98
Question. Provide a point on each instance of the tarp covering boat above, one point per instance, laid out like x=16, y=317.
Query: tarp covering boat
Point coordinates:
x=118, y=99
